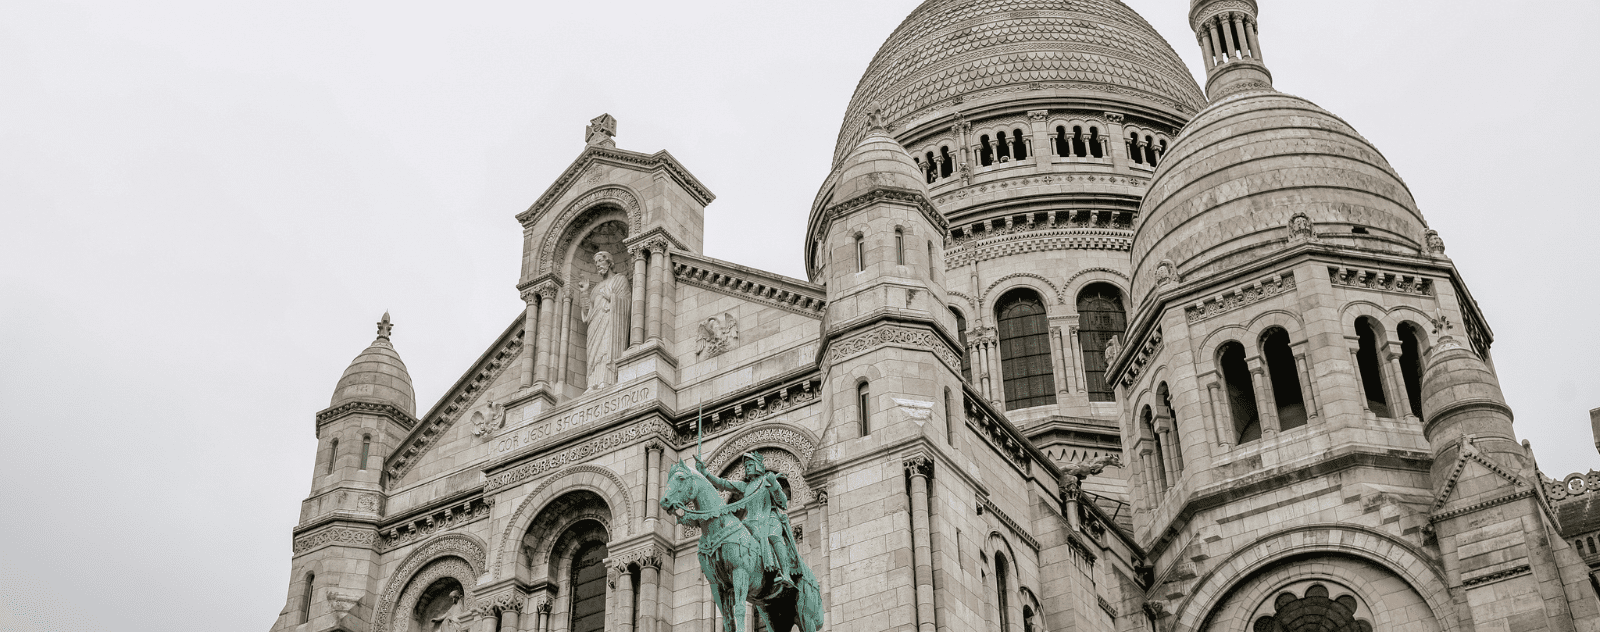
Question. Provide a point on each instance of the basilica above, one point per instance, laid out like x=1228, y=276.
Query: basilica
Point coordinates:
x=1082, y=346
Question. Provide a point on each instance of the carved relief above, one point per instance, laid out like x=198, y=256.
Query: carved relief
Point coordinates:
x=1435, y=243
x=485, y=422
x=433, y=522
x=1381, y=281
x=716, y=336
x=334, y=535
x=1247, y=294
x=459, y=556
x=886, y=335
x=1300, y=229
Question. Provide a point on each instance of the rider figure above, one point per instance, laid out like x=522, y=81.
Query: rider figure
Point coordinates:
x=763, y=516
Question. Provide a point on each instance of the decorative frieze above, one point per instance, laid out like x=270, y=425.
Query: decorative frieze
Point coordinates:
x=893, y=335
x=369, y=408
x=1248, y=294
x=652, y=427
x=793, y=441
x=589, y=414
x=451, y=517
x=649, y=555
x=984, y=504
x=1572, y=486
x=1039, y=241
x=752, y=286
x=765, y=404
x=1380, y=281
x=1496, y=576
x=1150, y=349
x=1039, y=221
x=457, y=402
x=335, y=535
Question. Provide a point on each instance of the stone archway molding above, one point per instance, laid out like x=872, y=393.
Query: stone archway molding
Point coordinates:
x=593, y=478
x=613, y=195
x=468, y=555
x=1393, y=554
x=790, y=438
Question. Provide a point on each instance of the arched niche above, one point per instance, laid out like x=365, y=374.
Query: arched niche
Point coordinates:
x=426, y=588
x=602, y=229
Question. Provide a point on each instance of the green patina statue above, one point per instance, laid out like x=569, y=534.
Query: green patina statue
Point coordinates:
x=751, y=561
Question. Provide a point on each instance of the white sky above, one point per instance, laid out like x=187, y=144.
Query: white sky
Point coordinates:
x=206, y=206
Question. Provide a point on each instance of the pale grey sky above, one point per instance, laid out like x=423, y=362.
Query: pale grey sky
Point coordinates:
x=206, y=205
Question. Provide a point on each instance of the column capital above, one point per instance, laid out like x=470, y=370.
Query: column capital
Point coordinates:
x=654, y=444
x=918, y=464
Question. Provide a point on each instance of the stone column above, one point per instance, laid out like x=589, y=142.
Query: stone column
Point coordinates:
x=997, y=365
x=1152, y=480
x=1216, y=43
x=649, y=580
x=1204, y=38
x=510, y=619
x=652, y=478
x=658, y=254
x=980, y=349
x=561, y=351
x=1255, y=39
x=547, y=299
x=1169, y=455
x=624, y=599
x=918, y=467
x=636, y=329
x=1072, y=351
x=1361, y=385
x=1264, y=411
x=530, y=338
x=486, y=622
x=542, y=616
x=1401, y=405
x=1227, y=36
x=1306, y=390
x=1246, y=45
x=1058, y=360
x=823, y=541
x=1221, y=428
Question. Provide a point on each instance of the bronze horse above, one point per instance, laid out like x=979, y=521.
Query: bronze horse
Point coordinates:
x=731, y=561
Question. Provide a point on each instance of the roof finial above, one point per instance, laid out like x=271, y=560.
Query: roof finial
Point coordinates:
x=875, y=119
x=600, y=131
x=384, y=326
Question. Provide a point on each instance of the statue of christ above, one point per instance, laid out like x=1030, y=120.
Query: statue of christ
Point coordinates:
x=606, y=314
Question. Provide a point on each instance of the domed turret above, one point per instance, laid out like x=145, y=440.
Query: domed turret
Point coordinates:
x=377, y=375
x=1245, y=167
x=878, y=161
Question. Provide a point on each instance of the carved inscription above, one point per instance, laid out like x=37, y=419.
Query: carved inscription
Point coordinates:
x=580, y=452
x=542, y=431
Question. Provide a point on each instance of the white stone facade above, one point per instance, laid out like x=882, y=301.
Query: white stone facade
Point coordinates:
x=1056, y=366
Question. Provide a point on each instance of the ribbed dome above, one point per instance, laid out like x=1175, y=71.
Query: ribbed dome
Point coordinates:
x=378, y=376
x=975, y=49
x=1226, y=191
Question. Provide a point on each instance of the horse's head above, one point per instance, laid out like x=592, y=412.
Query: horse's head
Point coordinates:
x=680, y=487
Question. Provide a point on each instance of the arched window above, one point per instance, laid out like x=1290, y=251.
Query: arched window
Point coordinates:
x=1063, y=147
x=366, y=449
x=930, y=170
x=1241, y=393
x=1002, y=146
x=1133, y=148
x=1027, y=619
x=1078, y=148
x=947, y=164
x=1094, y=143
x=899, y=247
x=1100, y=318
x=1149, y=151
x=1411, y=366
x=1161, y=152
x=589, y=589
x=985, y=151
x=1024, y=333
x=1002, y=591
x=861, y=253
x=1591, y=545
x=1148, y=427
x=1286, y=395
x=1169, y=415
x=864, y=408
x=966, y=353
x=305, y=597
x=333, y=453
x=1371, y=371
x=1019, y=147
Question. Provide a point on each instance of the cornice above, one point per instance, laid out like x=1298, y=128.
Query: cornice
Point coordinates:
x=984, y=504
x=594, y=153
x=765, y=288
x=329, y=415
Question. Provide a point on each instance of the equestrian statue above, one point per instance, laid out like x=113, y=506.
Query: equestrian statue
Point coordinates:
x=747, y=549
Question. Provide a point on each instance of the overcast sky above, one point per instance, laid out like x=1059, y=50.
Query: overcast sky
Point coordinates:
x=206, y=206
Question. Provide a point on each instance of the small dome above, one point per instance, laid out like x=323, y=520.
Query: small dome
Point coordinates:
x=377, y=376
x=1226, y=191
x=878, y=161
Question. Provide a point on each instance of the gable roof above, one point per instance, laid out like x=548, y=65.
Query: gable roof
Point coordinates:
x=660, y=160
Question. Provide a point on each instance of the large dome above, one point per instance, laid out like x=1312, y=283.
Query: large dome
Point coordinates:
x=1244, y=167
x=954, y=54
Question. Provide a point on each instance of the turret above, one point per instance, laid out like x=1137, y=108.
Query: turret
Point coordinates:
x=1229, y=46
x=334, y=556
x=877, y=244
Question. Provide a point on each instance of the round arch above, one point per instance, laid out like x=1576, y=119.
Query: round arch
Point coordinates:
x=435, y=555
x=1004, y=285
x=1089, y=276
x=594, y=478
x=1392, y=554
x=560, y=230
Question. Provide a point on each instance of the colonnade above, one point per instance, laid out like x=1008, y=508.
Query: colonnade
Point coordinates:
x=1228, y=37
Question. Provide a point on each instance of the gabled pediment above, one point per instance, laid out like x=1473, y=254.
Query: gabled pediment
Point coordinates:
x=1471, y=463
x=660, y=161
